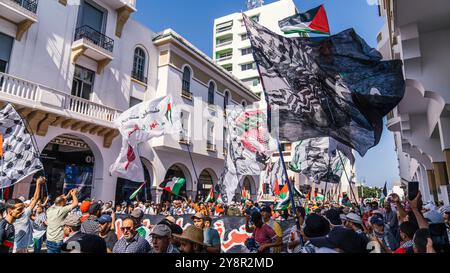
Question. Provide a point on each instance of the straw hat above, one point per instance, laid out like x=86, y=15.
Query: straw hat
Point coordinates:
x=193, y=234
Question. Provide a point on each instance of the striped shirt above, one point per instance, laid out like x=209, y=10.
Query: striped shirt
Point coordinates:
x=136, y=245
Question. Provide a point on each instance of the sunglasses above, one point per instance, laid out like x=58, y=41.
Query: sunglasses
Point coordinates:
x=126, y=228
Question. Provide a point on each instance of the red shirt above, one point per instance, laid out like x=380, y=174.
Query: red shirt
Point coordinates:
x=264, y=235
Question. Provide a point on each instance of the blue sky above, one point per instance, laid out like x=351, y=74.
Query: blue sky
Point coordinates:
x=194, y=20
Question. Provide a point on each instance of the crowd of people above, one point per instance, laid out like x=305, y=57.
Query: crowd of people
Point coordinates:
x=67, y=225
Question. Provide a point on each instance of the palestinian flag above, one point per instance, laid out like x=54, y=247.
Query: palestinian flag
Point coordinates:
x=283, y=199
x=174, y=185
x=169, y=113
x=276, y=187
x=210, y=197
x=135, y=193
x=313, y=21
x=320, y=197
x=219, y=199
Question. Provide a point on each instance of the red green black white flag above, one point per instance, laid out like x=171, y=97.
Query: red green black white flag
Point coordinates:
x=173, y=185
x=314, y=20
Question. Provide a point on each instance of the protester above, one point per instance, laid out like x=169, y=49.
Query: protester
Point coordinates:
x=382, y=234
x=106, y=231
x=315, y=226
x=76, y=241
x=211, y=236
x=138, y=215
x=161, y=240
x=84, y=208
x=131, y=242
x=14, y=209
x=407, y=231
x=340, y=240
x=266, y=213
x=55, y=219
x=296, y=239
x=39, y=226
x=263, y=235
x=91, y=225
x=191, y=240
x=354, y=222
x=23, y=226
x=390, y=219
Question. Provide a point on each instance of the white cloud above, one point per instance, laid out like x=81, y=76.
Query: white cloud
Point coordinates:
x=372, y=2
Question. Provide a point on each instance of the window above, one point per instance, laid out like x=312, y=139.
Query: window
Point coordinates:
x=225, y=55
x=250, y=66
x=246, y=51
x=244, y=36
x=252, y=81
x=184, y=134
x=244, y=103
x=228, y=68
x=186, y=80
x=211, y=91
x=225, y=41
x=83, y=82
x=224, y=27
x=93, y=16
x=210, y=136
x=6, y=44
x=139, y=62
x=225, y=101
x=134, y=101
x=225, y=144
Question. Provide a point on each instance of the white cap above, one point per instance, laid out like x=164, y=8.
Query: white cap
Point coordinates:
x=354, y=218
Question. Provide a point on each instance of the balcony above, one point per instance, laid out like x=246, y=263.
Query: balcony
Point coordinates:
x=210, y=147
x=94, y=45
x=225, y=58
x=224, y=43
x=43, y=106
x=393, y=122
x=20, y=12
x=184, y=138
x=224, y=29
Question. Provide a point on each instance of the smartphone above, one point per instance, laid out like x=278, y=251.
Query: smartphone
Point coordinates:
x=413, y=190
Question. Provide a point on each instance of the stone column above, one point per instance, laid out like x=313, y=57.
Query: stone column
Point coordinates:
x=447, y=161
x=432, y=185
x=440, y=173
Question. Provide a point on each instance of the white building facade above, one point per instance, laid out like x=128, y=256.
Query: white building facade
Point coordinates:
x=418, y=32
x=71, y=67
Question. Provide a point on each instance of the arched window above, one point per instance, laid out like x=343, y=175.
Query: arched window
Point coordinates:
x=244, y=103
x=211, y=90
x=139, y=62
x=225, y=101
x=186, y=80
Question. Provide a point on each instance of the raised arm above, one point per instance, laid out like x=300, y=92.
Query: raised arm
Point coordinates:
x=401, y=213
x=73, y=193
x=37, y=193
x=415, y=205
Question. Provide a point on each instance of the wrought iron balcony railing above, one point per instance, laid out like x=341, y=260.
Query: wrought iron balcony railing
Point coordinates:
x=30, y=5
x=94, y=37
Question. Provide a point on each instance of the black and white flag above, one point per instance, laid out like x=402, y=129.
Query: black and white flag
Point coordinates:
x=314, y=159
x=20, y=157
x=336, y=86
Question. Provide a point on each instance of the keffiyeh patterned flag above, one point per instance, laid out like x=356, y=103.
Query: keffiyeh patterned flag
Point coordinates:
x=137, y=125
x=336, y=86
x=20, y=157
x=314, y=159
x=250, y=146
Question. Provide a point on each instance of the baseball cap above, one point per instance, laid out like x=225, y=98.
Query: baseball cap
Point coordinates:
x=171, y=219
x=266, y=209
x=84, y=207
x=343, y=238
x=105, y=218
x=377, y=220
x=161, y=230
x=137, y=213
x=72, y=220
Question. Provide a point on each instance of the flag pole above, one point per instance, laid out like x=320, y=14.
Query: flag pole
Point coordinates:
x=349, y=182
x=192, y=161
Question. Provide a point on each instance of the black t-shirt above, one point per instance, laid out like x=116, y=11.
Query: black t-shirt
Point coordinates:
x=110, y=239
x=6, y=236
x=84, y=243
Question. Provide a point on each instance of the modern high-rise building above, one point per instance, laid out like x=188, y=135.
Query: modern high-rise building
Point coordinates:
x=231, y=46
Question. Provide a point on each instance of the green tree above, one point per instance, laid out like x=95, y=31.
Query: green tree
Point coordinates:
x=370, y=192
